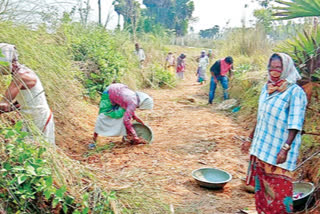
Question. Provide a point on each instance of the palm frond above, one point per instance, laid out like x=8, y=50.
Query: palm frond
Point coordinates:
x=291, y=9
x=305, y=51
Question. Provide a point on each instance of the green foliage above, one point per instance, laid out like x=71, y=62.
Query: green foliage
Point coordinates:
x=97, y=46
x=210, y=33
x=244, y=41
x=147, y=25
x=27, y=184
x=247, y=83
x=264, y=3
x=130, y=10
x=161, y=77
x=264, y=18
x=297, y=8
x=3, y=63
x=305, y=51
x=286, y=30
x=173, y=15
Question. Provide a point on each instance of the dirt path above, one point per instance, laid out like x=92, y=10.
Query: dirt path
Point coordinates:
x=188, y=134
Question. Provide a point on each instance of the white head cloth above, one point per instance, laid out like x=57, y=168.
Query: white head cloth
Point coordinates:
x=289, y=73
x=146, y=102
x=8, y=54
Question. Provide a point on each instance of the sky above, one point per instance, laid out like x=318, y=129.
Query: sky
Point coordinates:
x=221, y=12
x=208, y=13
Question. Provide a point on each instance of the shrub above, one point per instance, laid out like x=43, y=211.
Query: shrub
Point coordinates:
x=161, y=77
x=95, y=45
x=27, y=182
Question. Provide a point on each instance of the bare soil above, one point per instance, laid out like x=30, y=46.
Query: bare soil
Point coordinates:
x=188, y=134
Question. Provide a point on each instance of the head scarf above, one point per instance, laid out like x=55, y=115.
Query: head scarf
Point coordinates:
x=289, y=75
x=7, y=56
x=203, y=53
x=289, y=72
x=146, y=102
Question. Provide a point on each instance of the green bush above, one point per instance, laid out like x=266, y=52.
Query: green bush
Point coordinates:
x=26, y=180
x=96, y=45
x=161, y=77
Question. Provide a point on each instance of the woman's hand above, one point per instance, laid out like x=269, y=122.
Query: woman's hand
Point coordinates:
x=4, y=107
x=138, y=119
x=136, y=140
x=282, y=156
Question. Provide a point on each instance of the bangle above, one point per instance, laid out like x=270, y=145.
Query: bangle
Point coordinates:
x=286, y=147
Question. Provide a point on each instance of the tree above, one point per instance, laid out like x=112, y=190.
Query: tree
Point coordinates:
x=84, y=10
x=3, y=6
x=210, y=33
x=172, y=14
x=183, y=13
x=99, y=8
x=130, y=10
x=264, y=3
x=264, y=18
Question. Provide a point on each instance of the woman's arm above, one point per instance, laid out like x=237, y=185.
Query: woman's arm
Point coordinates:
x=247, y=144
x=136, y=118
x=128, y=115
x=10, y=94
x=282, y=156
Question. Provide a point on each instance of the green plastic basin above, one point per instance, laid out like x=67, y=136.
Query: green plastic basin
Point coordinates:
x=211, y=178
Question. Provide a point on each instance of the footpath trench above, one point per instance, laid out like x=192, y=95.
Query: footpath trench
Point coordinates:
x=188, y=134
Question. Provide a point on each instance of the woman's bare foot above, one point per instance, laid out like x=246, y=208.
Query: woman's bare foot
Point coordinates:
x=140, y=141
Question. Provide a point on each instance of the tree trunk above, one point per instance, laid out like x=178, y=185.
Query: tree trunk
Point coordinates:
x=118, y=26
x=134, y=27
x=99, y=8
x=87, y=10
x=3, y=6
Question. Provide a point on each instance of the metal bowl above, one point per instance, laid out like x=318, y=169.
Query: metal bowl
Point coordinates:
x=142, y=131
x=307, y=189
x=211, y=178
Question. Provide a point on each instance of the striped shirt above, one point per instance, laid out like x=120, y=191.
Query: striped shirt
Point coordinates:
x=277, y=113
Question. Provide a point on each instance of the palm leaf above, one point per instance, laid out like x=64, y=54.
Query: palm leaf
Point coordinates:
x=305, y=51
x=291, y=9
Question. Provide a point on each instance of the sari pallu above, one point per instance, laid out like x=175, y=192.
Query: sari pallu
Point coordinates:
x=273, y=187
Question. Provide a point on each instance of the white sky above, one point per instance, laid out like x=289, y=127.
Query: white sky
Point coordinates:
x=219, y=12
x=208, y=12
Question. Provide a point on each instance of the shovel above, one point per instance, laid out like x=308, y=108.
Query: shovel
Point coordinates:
x=303, y=162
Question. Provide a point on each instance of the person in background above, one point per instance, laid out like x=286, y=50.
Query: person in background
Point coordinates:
x=140, y=53
x=181, y=65
x=210, y=54
x=26, y=93
x=202, y=67
x=219, y=71
x=117, y=108
x=276, y=138
x=170, y=62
